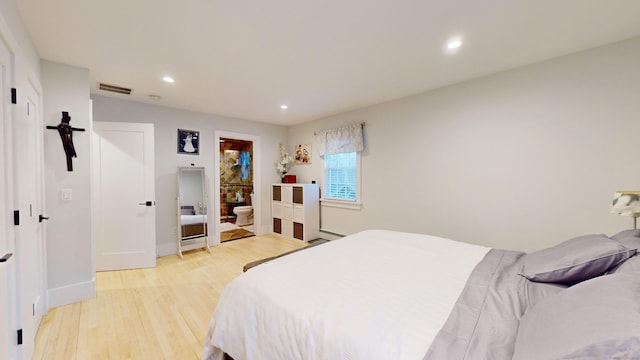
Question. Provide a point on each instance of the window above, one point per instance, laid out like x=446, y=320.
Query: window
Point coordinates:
x=340, y=149
x=342, y=180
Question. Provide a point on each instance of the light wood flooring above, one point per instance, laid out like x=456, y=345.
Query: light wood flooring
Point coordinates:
x=159, y=313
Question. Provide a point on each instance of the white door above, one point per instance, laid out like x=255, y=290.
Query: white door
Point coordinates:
x=29, y=246
x=124, y=195
x=7, y=260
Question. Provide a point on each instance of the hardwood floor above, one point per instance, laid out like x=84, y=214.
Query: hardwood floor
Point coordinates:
x=159, y=313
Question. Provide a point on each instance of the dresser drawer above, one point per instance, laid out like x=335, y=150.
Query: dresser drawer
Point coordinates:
x=298, y=213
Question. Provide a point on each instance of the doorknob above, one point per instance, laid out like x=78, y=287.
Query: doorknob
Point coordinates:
x=41, y=218
x=146, y=203
x=5, y=257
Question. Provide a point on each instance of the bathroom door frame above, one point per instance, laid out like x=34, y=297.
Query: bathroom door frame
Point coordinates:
x=257, y=191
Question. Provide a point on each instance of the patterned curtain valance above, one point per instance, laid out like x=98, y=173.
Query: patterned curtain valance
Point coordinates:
x=340, y=140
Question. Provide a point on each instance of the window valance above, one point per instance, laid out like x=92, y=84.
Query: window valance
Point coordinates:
x=340, y=140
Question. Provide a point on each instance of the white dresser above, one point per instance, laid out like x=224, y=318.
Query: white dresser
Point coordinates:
x=295, y=209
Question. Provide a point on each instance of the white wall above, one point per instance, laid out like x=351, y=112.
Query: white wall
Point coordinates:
x=167, y=121
x=26, y=53
x=519, y=160
x=70, y=268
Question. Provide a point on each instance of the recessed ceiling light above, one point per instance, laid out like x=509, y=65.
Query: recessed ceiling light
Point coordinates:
x=284, y=107
x=169, y=79
x=454, y=44
x=155, y=97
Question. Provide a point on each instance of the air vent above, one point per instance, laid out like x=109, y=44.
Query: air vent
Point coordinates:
x=115, y=89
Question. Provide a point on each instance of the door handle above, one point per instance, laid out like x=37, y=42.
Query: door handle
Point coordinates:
x=5, y=257
x=41, y=218
x=147, y=203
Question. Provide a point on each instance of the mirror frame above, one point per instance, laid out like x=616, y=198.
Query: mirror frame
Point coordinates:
x=197, y=238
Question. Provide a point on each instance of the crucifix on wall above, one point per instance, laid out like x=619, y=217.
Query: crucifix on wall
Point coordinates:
x=66, y=135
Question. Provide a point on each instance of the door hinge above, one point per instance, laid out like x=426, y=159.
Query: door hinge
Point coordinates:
x=20, y=337
x=14, y=96
x=16, y=217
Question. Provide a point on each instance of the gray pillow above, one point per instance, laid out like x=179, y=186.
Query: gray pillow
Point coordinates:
x=596, y=319
x=631, y=266
x=631, y=239
x=626, y=234
x=631, y=242
x=187, y=210
x=575, y=260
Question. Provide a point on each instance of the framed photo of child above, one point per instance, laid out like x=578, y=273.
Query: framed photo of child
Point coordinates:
x=188, y=142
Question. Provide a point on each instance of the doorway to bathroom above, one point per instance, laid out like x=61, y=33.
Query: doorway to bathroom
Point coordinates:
x=236, y=178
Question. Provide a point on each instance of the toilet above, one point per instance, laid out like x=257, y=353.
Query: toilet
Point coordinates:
x=244, y=214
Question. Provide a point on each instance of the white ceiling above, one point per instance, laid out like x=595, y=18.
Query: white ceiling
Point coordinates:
x=244, y=59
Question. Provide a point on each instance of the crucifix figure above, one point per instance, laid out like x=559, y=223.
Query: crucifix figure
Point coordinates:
x=66, y=134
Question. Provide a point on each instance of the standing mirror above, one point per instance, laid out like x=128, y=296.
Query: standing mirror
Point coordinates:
x=192, y=210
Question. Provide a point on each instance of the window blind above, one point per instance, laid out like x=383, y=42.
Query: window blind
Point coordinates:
x=340, y=176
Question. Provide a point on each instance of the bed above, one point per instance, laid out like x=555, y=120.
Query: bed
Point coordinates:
x=389, y=295
x=193, y=225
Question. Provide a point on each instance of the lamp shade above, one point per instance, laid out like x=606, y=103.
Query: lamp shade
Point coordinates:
x=626, y=203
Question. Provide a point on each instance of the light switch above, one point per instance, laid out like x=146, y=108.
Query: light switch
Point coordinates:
x=66, y=194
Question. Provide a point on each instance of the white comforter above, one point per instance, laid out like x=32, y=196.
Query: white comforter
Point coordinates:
x=372, y=295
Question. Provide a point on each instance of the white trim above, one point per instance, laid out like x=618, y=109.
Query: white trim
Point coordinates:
x=92, y=179
x=71, y=293
x=40, y=187
x=328, y=235
x=344, y=204
x=7, y=230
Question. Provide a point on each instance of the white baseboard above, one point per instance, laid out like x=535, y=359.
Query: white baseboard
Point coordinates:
x=328, y=235
x=166, y=249
x=172, y=249
x=71, y=293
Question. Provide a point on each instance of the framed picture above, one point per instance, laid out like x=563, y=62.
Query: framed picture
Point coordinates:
x=188, y=142
x=303, y=154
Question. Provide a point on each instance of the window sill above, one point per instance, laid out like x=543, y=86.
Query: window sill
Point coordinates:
x=344, y=204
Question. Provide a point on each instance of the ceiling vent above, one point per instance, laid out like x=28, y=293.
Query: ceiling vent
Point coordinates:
x=115, y=89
